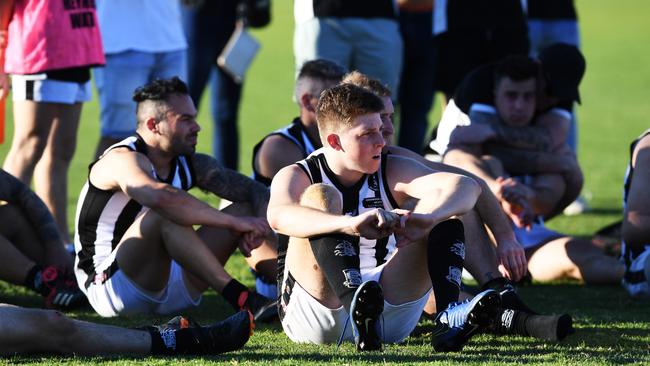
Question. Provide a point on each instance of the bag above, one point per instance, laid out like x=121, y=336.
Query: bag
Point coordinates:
x=254, y=13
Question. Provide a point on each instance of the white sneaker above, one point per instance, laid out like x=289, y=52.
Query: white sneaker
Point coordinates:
x=577, y=207
x=637, y=277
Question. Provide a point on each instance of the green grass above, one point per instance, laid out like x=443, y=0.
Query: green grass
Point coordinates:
x=611, y=328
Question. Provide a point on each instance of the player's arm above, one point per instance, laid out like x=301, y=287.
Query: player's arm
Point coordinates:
x=213, y=177
x=510, y=252
x=548, y=132
x=275, y=153
x=519, y=162
x=440, y=195
x=636, y=218
x=130, y=172
x=17, y=193
x=288, y=217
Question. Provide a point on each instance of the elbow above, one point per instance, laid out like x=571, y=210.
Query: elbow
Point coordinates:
x=274, y=219
x=472, y=190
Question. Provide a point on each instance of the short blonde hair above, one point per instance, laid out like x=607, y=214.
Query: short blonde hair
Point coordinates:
x=341, y=104
x=368, y=83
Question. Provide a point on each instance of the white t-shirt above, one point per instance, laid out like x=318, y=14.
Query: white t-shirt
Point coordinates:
x=141, y=25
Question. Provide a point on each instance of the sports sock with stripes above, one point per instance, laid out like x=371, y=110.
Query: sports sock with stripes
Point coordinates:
x=445, y=257
x=338, y=259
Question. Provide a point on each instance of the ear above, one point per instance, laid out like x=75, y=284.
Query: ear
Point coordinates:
x=334, y=141
x=151, y=124
x=305, y=102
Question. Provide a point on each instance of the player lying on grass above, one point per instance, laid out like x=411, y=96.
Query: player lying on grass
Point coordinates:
x=29, y=331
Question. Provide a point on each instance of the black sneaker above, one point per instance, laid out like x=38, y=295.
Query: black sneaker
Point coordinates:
x=60, y=289
x=264, y=310
x=509, y=297
x=454, y=326
x=366, y=308
x=183, y=335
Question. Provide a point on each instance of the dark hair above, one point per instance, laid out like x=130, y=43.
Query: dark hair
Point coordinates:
x=160, y=89
x=517, y=68
x=322, y=70
x=341, y=104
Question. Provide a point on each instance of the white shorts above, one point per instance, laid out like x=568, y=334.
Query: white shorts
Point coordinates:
x=308, y=321
x=451, y=117
x=120, y=296
x=38, y=88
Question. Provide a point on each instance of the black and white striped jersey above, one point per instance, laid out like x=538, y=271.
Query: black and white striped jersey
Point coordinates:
x=627, y=255
x=295, y=132
x=370, y=192
x=103, y=217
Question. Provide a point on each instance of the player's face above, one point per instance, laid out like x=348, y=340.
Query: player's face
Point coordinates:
x=515, y=101
x=362, y=143
x=386, y=116
x=182, y=126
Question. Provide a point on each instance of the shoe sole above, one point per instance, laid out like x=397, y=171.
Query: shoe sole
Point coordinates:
x=480, y=317
x=366, y=308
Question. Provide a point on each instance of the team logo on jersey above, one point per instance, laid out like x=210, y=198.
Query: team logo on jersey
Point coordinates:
x=352, y=278
x=458, y=248
x=373, y=182
x=372, y=202
x=344, y=249
x=454, y=275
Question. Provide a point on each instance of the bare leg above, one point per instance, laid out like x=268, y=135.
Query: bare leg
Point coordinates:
x=480, y=255
x=20, y=232
x=300, y=259
x=149, y=245
x=32, y=124
x=51, y=172
x=34, y=330
x=574, y=258
x=104, y=143
x=14, y=265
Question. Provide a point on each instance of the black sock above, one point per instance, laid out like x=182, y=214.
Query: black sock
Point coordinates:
x=232, y=293
x=510, y=321
x=158, y=346
x=445, y=257
x=338, y=258
x=33, y=279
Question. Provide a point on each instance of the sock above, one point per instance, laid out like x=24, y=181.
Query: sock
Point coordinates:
x=445, y=257
x=162, y=343
x=546, y=327
x=233, y=292
x=338, y=258
x=510, y=321
x=509, y=297
x=33, y=279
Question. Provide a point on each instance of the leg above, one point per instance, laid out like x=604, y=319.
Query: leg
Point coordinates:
x=225, y=111
x=36, y=331
x=51, y=172
x=416, y=91
x=149, y=245
x=300, y=259
x=32, y=124
x=579, y=259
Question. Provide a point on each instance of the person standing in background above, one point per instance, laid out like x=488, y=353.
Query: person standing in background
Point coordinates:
x=143, y=40
x=51, y=46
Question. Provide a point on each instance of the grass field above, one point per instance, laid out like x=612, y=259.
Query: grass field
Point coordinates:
x=611, y=329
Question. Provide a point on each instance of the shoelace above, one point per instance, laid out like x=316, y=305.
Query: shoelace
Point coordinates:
x=345, y=327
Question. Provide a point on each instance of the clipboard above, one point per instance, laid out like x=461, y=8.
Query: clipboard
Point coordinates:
x=236, y=57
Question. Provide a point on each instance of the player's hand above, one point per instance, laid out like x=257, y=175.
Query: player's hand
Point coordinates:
x=512, y=259
x=375, y=224
x=253, y=231
x=413, y=228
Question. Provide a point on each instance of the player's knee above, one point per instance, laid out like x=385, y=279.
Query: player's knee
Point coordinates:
x=56, y=324
x=322, y=197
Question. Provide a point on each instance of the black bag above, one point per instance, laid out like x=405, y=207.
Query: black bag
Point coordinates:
x=254, y=13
